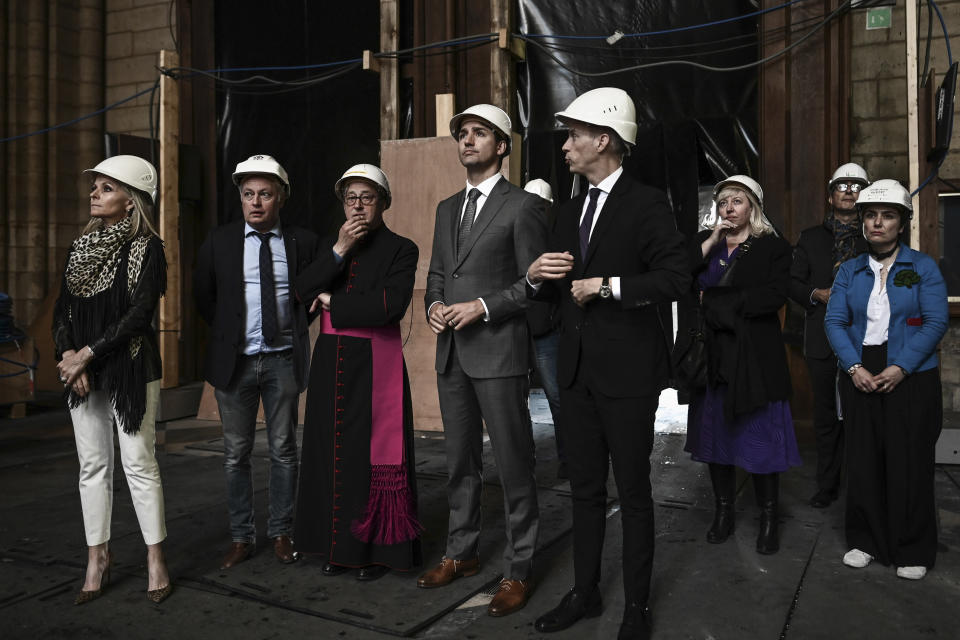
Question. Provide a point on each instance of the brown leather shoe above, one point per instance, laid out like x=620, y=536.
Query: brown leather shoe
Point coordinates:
x=447, y=571
x=512, y=596
x=239, y=551
x=283, y=549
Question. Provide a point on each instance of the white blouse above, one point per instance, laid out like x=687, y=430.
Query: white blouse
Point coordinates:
x=878, y=306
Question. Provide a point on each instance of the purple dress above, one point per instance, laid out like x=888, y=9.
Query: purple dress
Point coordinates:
x=762, y=441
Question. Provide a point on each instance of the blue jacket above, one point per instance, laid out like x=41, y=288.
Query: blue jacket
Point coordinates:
x=918, y=313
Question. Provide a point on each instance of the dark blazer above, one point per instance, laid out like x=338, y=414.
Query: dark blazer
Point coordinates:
x=623, y=342
x=813, y=269
x=218, y=291
x=508, y=235
x=743, y=324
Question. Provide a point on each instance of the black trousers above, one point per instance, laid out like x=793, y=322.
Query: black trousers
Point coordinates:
x=826, y=426
x=601, y=428
x=891, y=452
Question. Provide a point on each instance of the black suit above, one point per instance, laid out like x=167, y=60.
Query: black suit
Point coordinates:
x=218, y=291
x=613, y=363
x=812, y=268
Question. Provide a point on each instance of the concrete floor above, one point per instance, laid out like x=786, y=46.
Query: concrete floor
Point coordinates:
x=706, y=591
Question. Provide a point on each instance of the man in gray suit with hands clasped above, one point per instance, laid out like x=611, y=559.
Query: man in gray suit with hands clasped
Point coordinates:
x=484, y=239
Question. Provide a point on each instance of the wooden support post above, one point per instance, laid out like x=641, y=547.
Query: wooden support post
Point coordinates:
x=389, y=71
x=169, y=220
x=446, y=107
x=502, y=80
x=913, y=121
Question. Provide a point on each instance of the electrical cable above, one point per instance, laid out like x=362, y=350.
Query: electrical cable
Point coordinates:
x=936, y=169
x=673, y=30
x=586, y=74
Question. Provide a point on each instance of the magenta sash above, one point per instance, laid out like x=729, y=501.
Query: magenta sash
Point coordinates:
x=386, y=429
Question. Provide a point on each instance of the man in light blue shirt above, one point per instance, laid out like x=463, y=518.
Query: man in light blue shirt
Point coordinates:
x=258, y=347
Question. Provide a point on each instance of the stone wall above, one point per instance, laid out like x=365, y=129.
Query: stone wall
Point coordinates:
x=879, y=122
x=136, y=31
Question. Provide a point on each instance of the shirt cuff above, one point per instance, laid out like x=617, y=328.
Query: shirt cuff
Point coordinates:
x=535, y=287
x=486, y=312
x=615, y=287
x=432, y=305
x=337, y=257
x=812, y=301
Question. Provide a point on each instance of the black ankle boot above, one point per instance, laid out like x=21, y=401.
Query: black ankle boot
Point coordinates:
x=723, y=477
x=767, y=488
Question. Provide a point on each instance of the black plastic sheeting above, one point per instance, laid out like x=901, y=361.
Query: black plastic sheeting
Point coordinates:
x=696, y=126
x=315, y=133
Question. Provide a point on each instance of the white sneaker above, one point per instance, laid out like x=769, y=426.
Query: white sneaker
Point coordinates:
x=911, y=573
x=859, y=559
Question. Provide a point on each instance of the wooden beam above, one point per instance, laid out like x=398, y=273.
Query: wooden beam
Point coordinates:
x=502, y=72
x=169, y=220
x=446, y=107
x=517, y=47
x=389, y=71
x=913, y=120
x=370, y=63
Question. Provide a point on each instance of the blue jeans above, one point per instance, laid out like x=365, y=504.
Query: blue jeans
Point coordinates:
x=268, y=376
x=545, y=348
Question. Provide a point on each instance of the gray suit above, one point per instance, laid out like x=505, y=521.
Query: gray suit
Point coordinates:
x=482, y=369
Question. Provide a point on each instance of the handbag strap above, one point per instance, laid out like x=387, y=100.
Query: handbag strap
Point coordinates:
x=728, y=274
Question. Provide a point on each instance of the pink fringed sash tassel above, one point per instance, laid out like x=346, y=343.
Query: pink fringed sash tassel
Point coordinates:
x=390, y=516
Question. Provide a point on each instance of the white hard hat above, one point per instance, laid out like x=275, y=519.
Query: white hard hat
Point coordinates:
x=849, y=172
x=886, y=192
x=541, y=188
x=741, y=181
x=494, y=116
x=133, y=171
x=605, y=107
x=369, y=172
x=262, y=165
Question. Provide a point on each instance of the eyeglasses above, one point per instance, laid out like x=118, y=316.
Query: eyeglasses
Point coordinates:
x=265, y=195
x=365, y=198
x=852, y=187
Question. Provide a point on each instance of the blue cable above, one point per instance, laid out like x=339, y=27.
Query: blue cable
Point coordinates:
x=76, y=120
x=673, y=30
x=943, y=25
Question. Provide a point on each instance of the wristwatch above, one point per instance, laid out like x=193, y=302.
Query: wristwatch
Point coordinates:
x=853, y=368
x=605, y=290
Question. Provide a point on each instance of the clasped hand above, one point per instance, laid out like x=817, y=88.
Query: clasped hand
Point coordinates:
x=884, y=382
x=73, y=370
x=455, y=316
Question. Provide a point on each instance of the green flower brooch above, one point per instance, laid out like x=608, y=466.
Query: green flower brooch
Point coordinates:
x=906, y=278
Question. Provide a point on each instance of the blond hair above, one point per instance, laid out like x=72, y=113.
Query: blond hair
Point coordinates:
x=759, y=225
x=140, y=223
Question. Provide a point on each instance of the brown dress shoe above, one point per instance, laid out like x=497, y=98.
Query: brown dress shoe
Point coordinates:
x=239, y=551
x=283, y=549
x=447, y=571
x=512, y=596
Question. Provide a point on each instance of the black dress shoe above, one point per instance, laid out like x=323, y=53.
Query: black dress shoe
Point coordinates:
x=636, y=622
x=575, y=605
x=333, y=569
x=823, y=499
x=372, y=572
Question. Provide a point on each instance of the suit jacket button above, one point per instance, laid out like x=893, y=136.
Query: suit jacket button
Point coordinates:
x=456, y=275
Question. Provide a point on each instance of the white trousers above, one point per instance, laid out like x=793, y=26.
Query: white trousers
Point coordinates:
x=93, y=427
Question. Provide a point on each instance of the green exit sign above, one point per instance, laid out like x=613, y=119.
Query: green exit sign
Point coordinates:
x=878, y=18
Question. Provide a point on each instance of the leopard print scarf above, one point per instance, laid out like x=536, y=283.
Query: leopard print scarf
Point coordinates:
x=94, y=260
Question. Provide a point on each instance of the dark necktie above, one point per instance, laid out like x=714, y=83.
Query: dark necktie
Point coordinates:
x=268, y=293
x=588, y=222
x=466, y=223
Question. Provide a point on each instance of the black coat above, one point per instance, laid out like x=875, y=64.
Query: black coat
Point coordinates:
x=813, y=269
x=218, y=292
x=743, y=326
x=622, y=344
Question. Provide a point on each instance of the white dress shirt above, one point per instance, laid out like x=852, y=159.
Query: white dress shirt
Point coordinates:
x=878, y=306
